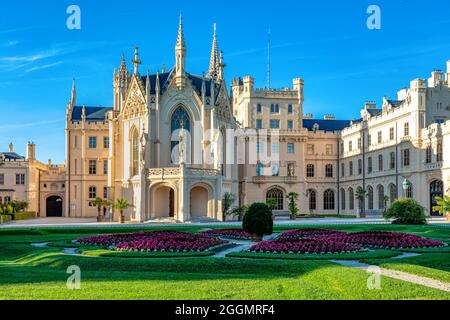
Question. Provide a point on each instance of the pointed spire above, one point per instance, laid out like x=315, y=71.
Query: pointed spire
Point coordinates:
x=180, y=38
x=214, y=60
x=136, y=61
x=73, y=97
x=123, y=64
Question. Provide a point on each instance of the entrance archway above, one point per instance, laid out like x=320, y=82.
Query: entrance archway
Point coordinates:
x=54, y=206
x=199, y=202
x=164, y=202
x=436, y=190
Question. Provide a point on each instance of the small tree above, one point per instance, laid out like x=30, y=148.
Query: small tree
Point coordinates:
x=239, y=211
x=258, y=221
x=360, y=195
x=98, y=202
x=272, y=203
x=293, y=209
x=227, y=202
x=443, y=206
x=386, y=199
x=406, y=211
x=122, y=205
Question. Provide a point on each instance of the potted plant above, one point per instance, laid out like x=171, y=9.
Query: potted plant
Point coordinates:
x=293, y=209
x=443, y=206
x=122, y=205
x=227, y=202
x=258, y=221
x=98, y=202
x=360, y=195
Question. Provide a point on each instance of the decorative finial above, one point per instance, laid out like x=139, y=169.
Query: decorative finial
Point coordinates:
x=136, y=61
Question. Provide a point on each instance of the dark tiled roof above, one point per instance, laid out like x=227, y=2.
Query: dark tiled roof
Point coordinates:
x=93, y=114
x=326, y=125
x=395, y=103
x=374, y=112
x=11, y=156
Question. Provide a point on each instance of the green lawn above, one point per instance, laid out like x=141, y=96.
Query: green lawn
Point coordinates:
x=28, y=272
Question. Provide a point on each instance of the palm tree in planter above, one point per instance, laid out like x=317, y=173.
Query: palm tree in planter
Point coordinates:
x=106, y=205
x=98, y=202
x=122, y=205
x=293, y=209
x=238, y=211
x=258, y=221
x=360, y=195
x=443, y=206
x=227, y=202
x=386, y=199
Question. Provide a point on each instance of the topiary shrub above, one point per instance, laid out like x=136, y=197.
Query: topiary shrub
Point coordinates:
x=406, y=211
x=258, y=221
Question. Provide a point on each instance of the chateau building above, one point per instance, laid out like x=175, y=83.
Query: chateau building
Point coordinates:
x=27, y=179
x=174, y=143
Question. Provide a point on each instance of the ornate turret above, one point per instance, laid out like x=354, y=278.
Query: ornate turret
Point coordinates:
x=180, y=57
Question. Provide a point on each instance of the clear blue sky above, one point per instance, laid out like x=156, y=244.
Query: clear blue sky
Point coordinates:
x=325, y=42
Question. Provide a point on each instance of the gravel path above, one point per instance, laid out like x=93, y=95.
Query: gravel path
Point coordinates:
x=400, y=275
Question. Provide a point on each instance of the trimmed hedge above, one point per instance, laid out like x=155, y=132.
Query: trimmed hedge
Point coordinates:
x=23, y=215
x=5, y=218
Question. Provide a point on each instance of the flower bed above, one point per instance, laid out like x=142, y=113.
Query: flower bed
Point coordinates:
x=169, y=241
x=380, y=239
x=228, y=233
x=304, y=246
x=302, y=233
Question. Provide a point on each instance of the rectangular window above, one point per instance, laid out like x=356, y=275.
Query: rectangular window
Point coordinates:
x=20, y=179
x=350, y=168
x=380, y=162
x=92, y=192
x=406, y=129
x=290, y=108
x=274, y=124
x=92, y=166
x=439, y=152
x=274, y=108
x=392, y=161
x=275, y=148
x=105, y=192
x=259, y=147
x=360, y=167
x=350, y=146
x=369, y=165
x=291, y=148
x=310, y=171
x=329, y=149
x=258, y=124
x=106, y=142
x=359, y=143
x=105, y=167
x=259, y=108
x=92, y=142
x=75, y=142
x=369, y=140
x=275, y=170
x=342, y=170
x=310, y=149
x=391, y=134
x=290, y=124
x=380, y=137
x=406, y=159
x=428, y=154
x=2, y=179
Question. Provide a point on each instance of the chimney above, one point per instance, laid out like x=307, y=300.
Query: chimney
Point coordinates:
x=49, y=162
x=329, y=117
x=11, y=147
x=448, y=73
x=370, y=105
x=308, y=116
x=31, y=151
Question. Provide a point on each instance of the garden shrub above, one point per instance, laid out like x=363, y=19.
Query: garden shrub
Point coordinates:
x=5, y=218
x=23, y=215
x=406, y=211
x=258, y=220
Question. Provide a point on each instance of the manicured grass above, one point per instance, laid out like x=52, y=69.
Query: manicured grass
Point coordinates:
x=331, y=256
x=28, y=272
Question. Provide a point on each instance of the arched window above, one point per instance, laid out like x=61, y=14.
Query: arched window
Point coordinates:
x=312, y=200
x=351, y=199
x=328, y=200
x=180, y=121
x=277, y=196
x=134, y=153
x=342, y=199
x=439, y=152
x=392, y=193
x=329, y=171
x=370, y=197
x=380, y=189
x=310, y=171
x=428, y=152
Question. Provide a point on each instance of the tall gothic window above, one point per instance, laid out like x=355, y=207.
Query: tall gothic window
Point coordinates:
x=380, y=189
x=428, y=154
x=351, y=199
x=328, y=200
x=278, y=197
x=180, y=121
x=310, y=170
x=370, y=197
x=392, y=193
x=134, y=154
x=342, y=199
x=329, y=171
x=439, y=152
x=312, y=200
x=409, y=191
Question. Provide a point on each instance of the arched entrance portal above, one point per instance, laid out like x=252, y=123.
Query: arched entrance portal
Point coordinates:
x=164, y=202
x=199, y=202
x=54, y=205
x=436, y=190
